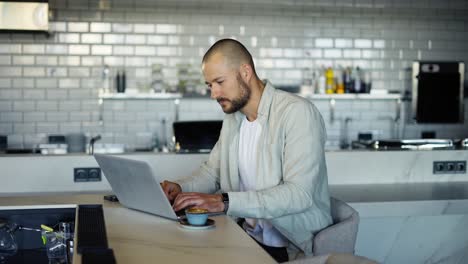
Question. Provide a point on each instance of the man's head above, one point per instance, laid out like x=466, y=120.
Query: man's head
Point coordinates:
x=228, y=70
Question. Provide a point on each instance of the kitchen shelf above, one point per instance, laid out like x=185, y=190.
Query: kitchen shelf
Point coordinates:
x=352, y=96
x=164, y=96
x=144, y=96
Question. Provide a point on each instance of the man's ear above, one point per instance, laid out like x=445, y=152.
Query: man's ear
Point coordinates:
x=246, y=72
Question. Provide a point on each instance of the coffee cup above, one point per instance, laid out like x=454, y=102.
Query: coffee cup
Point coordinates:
x=196, y=216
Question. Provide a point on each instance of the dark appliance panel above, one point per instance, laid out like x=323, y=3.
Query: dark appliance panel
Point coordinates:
x=438, y=92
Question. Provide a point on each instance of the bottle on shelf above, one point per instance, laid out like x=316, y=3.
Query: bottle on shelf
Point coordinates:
x=330, y=81
x=322, y=81
x=348, y=82
x=339, y=81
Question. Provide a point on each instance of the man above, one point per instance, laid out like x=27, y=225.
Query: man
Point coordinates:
x=269, y=161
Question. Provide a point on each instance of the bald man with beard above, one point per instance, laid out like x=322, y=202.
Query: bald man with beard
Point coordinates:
x=268, y=167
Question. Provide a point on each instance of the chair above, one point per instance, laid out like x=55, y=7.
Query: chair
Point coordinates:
x=333, y=259
x=340, y=237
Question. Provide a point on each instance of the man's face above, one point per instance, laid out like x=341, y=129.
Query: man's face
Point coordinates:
x=226, y=84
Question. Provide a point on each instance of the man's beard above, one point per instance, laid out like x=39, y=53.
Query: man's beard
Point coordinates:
x=239, y=102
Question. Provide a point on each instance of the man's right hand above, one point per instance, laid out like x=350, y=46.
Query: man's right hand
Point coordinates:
x=171, y=189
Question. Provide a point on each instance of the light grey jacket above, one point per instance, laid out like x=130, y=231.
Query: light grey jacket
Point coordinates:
x=292, y=183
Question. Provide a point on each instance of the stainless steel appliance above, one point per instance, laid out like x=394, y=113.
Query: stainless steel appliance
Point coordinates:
x=405, y=144
x=438, y=92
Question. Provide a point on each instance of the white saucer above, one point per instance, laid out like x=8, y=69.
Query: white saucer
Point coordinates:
x=210, y=223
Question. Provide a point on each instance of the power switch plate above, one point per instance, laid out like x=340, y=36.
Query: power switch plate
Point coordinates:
x=449, y=167
x=87, y=174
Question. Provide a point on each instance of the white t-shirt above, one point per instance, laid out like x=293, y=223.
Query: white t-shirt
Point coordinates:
x=260, y=229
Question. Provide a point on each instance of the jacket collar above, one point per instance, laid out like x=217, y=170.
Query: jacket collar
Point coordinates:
x=264, y=106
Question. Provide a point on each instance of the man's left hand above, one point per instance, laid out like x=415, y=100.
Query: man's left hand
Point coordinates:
x=211, y=202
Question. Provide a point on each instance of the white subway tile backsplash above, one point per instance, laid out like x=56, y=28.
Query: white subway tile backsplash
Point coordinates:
x=91, y=38
x=24, y=128
x=23, y=83
x=23, y=106
x=124, y=50
x=122, y=28
x=69, y=83
x=34, y=117
x=100, y=27
x=69, y=60
x=79, y=72
x=144, y=50
x=166, y=29
x=56, y=117
x=166, y=51
x=47, y=127
x=69, y=105
x=332, y=53
x=157, y=39
x=101, y=49
x=56, y=49
x=78, y=49
x=47, y=106
x=33, y=49
x=10, y=48
x=69, y=127
x=69, y=38
x=143, y=28
x=23, y=60
x=78, y=27
x=343, y=32
x=14, y=117
x=6, y=106
x=10, y=71
x=34, y=71
x=135, y=39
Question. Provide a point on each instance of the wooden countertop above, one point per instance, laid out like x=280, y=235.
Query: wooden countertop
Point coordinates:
x=138, y=237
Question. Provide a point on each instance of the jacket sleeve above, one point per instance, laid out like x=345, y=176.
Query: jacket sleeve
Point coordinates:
x=304, y=174
x=206, y=178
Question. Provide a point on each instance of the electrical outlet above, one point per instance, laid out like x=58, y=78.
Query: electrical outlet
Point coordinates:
x=87, y=174
x=449, y=167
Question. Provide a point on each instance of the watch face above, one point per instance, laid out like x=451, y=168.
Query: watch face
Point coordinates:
x=225, y=197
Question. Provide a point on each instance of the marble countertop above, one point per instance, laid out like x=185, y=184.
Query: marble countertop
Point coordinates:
x=138, y=237
x=408, y=199
x=420, y=191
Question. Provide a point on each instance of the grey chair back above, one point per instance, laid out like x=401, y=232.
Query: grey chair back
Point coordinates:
x=340, y=237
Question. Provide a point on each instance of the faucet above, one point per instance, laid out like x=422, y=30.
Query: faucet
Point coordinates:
x=91, y=144
x=344, y=144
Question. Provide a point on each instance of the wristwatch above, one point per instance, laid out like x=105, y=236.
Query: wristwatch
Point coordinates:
x=225, y=201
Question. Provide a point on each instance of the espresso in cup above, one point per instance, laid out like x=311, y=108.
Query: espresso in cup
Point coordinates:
x=196, y=216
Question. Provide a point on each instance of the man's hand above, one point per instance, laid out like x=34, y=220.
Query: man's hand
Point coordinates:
x=212, y=202
x=171, y=189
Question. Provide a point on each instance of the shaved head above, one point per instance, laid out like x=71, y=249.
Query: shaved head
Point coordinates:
x=233, y=51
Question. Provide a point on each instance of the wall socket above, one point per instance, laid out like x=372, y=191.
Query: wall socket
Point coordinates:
x=449, y=167
x=87, y=174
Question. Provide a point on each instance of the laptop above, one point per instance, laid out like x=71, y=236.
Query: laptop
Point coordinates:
x=135, y=185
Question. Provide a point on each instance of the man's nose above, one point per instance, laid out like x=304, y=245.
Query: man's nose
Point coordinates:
x=214, y=92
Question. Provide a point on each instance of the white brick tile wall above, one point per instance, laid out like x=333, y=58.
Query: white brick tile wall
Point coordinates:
x=138, y=34
x=46, y=127
x=6, y=129
x=56, y=117
x=24, y=128
x=23, y=83
x=47, y=106
x=33, y=49
x=78, y=27
x=100, y=27
x=34, y=116
x=11, y=117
